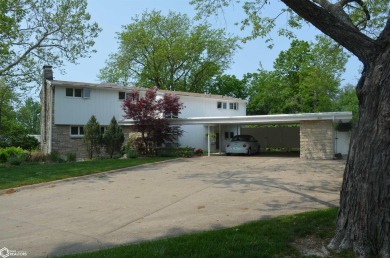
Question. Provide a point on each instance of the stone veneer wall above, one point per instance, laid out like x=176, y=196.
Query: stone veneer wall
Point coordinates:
x=63, y=143
x=317, y=140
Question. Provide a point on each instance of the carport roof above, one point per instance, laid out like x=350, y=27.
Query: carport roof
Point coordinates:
x=259, y=119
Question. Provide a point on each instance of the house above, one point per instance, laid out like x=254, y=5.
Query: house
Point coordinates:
x=67, y=106
x=208, y=121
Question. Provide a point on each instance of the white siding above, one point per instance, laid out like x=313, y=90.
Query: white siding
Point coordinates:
x=207, y=107
x=104, y=104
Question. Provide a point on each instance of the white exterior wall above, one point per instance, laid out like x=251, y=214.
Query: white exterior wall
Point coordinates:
x=104, y=104
x=196, y=135
x=207, y=107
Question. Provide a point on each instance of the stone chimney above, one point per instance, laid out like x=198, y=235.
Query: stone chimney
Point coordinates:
x=47, y=72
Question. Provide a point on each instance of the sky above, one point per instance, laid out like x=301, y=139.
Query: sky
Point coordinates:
x=112, y=15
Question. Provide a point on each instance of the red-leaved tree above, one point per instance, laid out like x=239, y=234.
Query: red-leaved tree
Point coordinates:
x=151, y=117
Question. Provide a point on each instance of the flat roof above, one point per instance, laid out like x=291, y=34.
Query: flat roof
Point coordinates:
x=258, y=119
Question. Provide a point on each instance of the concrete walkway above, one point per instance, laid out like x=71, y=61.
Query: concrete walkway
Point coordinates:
x=164, y=199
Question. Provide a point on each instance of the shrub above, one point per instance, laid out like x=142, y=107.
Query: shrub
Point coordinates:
x=113, y=138
x=16, y=160
x=168, y=152
x=132, y=154
x=199, y=152
x=71, y=157
x=117, y=156
x=7, y=153
x=186, y=152
x=38, y=156
x=55, y=156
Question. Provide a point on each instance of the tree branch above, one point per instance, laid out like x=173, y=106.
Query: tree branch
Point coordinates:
x=25, y=54
x=327, y=19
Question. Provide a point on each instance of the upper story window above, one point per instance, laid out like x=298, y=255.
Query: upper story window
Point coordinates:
x=233, y=105
x=78, y=92
x=125, y=95
x=222, y=105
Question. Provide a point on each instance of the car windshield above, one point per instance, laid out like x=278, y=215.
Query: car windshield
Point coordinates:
x=241, y=138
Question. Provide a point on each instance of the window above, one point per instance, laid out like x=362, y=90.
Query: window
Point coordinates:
x=76, y=131
x=77, y=92
x=222, y=105
x=233, y=105
x=69, y=92
x=124, y=95
x=231, y=134
x=86, y=93
x=171, y=115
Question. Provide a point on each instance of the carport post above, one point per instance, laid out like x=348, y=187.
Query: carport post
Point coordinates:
x=208, y=140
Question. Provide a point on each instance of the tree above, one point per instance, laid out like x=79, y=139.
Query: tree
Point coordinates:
x=8, y=99
x=150, y=117
x=113, y=138
x=363, y=28
x=29, y=116
x=228, y=85
x=92, y=137
x=347, y=100
x=38, y=32
x=305, y=79
x=168, y=52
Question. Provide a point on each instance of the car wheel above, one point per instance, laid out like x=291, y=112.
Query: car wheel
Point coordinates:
x=227, y=154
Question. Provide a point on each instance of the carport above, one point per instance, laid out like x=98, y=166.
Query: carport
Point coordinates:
x=317, y=134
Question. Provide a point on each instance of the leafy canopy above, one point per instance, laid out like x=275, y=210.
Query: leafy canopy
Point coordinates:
x=306, y=79
x=38, y=32
x=266, y=16
x=169, y=52
x=228, y=85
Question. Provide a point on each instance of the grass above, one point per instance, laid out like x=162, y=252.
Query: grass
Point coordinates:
x=29, y=173
x=265, y=238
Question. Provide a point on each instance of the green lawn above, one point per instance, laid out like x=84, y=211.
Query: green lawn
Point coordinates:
x=265, y=238
x=28, y=174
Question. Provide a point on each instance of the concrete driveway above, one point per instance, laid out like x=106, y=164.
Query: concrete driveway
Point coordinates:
x=163, y=199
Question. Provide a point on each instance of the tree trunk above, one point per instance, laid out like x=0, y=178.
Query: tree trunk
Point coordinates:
x=364, y=218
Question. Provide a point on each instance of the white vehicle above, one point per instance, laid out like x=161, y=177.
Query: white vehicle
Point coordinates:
x=243, y=144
